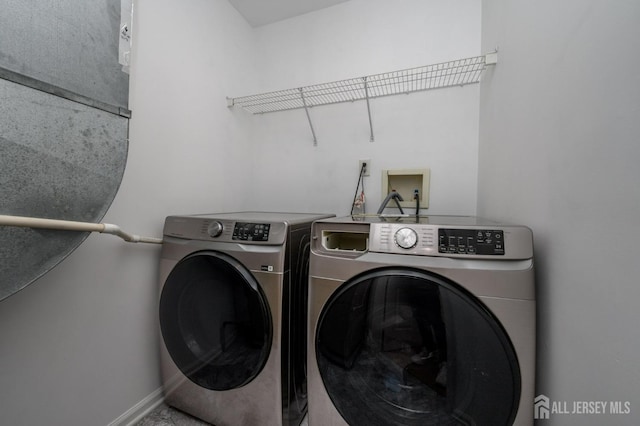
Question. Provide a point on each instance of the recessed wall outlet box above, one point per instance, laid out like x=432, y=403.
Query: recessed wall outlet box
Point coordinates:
x=405, y=182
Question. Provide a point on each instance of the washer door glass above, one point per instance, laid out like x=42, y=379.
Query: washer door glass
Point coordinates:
x=403, y=347
x=215, y=321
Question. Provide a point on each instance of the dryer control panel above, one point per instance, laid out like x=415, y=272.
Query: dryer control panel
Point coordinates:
x=222, y=230
x=251, y=231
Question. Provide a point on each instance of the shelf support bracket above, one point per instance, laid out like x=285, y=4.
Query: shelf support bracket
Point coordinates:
x=306, y=110
x=491, y=58
x=366, y=94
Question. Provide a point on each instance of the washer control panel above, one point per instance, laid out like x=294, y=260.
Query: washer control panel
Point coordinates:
x=477, y=242
x=245, y=231
x=486, y=242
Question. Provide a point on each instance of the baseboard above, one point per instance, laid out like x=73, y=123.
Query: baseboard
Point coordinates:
x=141, y=409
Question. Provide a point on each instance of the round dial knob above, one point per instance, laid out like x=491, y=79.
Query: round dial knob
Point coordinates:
x=406, y=238
x=215, y=229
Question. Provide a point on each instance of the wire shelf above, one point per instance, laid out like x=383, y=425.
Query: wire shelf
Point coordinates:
x=447, y=74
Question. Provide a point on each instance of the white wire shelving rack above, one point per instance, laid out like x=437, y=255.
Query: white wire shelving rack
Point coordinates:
x=459, y=72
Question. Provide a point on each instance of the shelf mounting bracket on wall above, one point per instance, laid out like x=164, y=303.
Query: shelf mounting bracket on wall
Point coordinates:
x=459, y=72
x=306, y=110
x=366, y=94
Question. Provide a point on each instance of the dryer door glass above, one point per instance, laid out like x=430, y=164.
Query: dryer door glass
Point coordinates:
x=403, y=347
x=215, y=321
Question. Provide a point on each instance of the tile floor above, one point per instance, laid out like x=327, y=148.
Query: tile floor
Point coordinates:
x=169, y=416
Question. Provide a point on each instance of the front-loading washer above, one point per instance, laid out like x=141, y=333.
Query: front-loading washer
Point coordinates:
x=233, y=314
x=421, y=321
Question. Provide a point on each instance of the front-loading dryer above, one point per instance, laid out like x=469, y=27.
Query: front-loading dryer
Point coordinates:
x=421, y=321
x=233, y=316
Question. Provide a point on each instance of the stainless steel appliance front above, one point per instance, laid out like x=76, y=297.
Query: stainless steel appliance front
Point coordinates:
x=233, y=316
x=421, y=321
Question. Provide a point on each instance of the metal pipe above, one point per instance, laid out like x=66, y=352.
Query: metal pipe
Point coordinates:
x=68, y=225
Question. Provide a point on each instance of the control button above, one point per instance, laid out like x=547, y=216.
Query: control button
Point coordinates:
x=215, y=229
x=406, y=238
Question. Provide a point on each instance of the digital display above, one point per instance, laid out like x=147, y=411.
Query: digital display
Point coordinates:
x=251, y=231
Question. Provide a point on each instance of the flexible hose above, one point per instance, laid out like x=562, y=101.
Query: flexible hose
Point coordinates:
x=68, y=225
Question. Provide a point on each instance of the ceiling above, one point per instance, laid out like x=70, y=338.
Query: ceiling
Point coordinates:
x=263, y=12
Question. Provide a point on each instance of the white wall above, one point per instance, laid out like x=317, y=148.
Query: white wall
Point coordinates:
x=80, y=345
x=436, y=129
x=559, y=152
